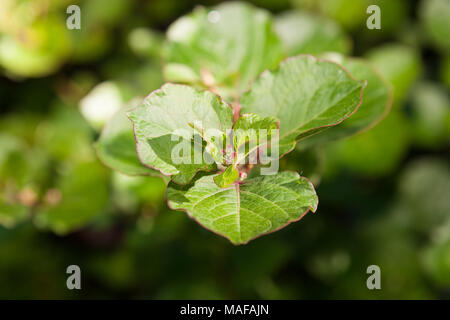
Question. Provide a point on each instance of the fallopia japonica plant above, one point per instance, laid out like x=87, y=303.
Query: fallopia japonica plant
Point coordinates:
x=227, y=71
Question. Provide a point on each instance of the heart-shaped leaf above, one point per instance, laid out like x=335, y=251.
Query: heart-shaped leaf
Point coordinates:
x=224, y=179
x=306, y=94
x=244, y=211
x=375, y=106
x=169, y=125
x=228, y=45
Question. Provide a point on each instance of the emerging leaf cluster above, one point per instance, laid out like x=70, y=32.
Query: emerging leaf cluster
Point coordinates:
x=227, y=71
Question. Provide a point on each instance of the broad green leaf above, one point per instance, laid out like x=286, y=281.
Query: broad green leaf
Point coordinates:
x=116, y=146
x=398, y=64
x=306, y=95
x=227, y=177
x=247, y=210
x=303, y=32
x=226, y=46
x=435, y=15
x=376, y=103
x=166, y=127
x=78, y=196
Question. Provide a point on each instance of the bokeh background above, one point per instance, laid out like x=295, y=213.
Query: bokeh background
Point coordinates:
x=384, y=195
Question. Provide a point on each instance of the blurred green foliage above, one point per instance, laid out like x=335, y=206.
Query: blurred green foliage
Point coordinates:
x=383, y=192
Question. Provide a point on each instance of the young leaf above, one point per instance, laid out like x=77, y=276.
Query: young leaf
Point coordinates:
x=116, y=147
x=250, y=132
x=375, y=106
x=228, y=45
x=167, y=127
x=306, y=94
x=244, y=211
x=224, y=179
x=251, y=121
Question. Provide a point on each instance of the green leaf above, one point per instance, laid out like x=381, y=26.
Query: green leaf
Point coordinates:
x=303, y=32
x=375, y=106
x=250, y=132
x=251, y=121
x=224, y=179
x=166, y=127
x=228, y=45
x=247, y=210
x=116, y=147
x=306, y=94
